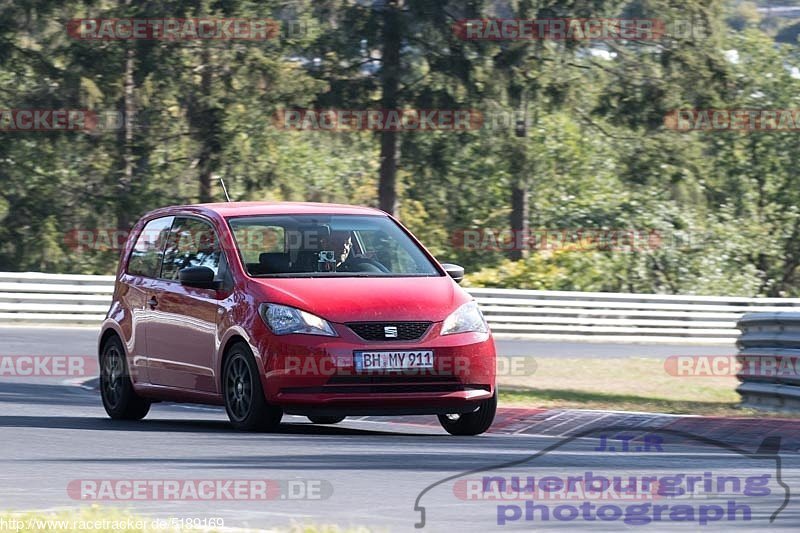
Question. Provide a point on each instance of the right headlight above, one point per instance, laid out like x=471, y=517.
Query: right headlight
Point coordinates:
x=283, y=320
x=467, y=318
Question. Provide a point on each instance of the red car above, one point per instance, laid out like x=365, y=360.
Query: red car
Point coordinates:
x=318, y=310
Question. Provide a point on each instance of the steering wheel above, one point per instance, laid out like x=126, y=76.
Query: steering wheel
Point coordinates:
x=357, y=264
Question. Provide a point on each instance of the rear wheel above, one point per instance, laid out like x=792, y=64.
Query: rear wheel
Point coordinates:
x=116, y=388
x=244, y=398
x=326, y=419
x=473, y=423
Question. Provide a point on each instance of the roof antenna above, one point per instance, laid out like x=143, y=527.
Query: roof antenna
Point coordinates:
x=225, y=189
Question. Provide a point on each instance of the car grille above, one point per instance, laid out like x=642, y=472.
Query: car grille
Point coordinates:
x=375, y=331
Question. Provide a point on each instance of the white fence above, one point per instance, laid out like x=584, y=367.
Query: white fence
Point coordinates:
x=74, y=299
x=54, y=298
x=620, y=316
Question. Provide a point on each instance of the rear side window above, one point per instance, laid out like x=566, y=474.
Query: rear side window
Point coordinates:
x=192, y=243
x=148, y=251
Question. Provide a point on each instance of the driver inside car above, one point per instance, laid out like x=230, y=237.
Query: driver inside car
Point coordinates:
x=347, y=260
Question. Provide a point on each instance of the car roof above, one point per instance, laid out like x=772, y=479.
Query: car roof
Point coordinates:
x=233, y=209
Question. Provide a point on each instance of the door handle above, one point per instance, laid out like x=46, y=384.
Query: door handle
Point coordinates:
x=152, y=302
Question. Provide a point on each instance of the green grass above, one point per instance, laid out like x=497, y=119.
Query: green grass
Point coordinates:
x=629, y=384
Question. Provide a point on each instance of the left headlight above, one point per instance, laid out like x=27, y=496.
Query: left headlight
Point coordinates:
x=465, y=319
x=283, y=320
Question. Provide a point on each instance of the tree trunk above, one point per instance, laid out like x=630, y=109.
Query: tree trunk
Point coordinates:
x=519, y=219
x=390, y=73
x=387, y=184
x=207, y=156
x=520, y=208
x=127, y=108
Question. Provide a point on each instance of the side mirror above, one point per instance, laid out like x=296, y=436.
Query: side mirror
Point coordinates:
x=200, y=277
x=454, y=271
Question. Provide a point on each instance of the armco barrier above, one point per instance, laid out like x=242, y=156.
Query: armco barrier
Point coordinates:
x=76, y=299
x=775, y=336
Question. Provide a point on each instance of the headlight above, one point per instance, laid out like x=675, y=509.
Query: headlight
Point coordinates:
x=283, y=320
x=466, y=318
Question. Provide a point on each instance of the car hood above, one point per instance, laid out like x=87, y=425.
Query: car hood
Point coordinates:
x=367, y=299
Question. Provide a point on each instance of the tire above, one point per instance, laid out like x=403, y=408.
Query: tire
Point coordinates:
x=473, y=423
x=116, y=388
x=326, y=419
x=245, y=404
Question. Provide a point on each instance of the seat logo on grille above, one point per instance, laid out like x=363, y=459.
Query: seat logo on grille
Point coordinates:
x=390, y=332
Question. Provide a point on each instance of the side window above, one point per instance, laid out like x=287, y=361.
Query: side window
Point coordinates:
x=191, y=243
x=145, y=259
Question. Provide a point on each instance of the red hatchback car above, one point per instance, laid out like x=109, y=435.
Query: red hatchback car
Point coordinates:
x=318, y=310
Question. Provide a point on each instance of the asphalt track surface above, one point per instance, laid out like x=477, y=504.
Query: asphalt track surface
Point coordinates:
x=362, y=472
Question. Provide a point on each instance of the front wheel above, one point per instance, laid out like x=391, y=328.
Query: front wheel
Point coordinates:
x=473, y=423
x=244, y=398
x=116, y=389
x=326, y=419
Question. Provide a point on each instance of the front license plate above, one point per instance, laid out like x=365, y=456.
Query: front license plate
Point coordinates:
x=366, y=361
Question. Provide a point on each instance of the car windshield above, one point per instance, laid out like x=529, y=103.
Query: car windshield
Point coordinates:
x=327, y=245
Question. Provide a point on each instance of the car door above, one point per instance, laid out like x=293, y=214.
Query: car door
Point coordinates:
x=182, y=336
x=136, y=280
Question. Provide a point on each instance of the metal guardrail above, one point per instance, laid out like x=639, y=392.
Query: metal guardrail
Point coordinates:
x=34, y=297
x=771, y=343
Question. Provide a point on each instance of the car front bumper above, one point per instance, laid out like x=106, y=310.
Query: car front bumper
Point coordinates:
x=307, y=374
